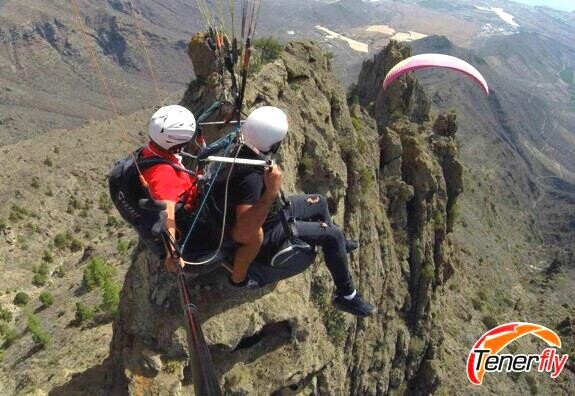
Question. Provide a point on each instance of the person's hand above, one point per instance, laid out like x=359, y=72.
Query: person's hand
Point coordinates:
x=273, y=180
x=172, y=264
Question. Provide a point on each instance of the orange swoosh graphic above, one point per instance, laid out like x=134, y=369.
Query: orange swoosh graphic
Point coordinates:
x=498, y=338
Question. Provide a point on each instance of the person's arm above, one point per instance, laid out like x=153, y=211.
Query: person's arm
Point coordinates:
x=171, y=262
x=247, y=231
x=165, y=187
x=250, y=218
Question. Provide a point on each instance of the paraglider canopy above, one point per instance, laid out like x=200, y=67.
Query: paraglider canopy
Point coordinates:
x=424, y=61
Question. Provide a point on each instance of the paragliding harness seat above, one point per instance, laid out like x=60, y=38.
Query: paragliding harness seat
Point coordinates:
x=134, y=203
x=293, y=257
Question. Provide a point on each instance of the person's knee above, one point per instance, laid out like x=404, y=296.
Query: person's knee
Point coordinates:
x=333, y=235
x=338, y=234
x=325, y=207
x=253, y=239
x=317, y=199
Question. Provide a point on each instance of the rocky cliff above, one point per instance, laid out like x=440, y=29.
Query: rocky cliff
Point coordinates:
x=392, y=183
x=48, y=55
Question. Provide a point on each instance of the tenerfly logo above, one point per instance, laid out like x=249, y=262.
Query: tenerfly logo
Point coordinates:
x=485, y=358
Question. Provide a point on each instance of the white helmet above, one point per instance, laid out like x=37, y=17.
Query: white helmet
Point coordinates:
x=172, y=126
x=265, y=128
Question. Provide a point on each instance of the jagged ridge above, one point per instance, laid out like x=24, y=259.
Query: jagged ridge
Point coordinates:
x=333, y=148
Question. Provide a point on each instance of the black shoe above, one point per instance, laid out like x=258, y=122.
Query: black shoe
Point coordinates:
x=356, y=306
x=351, y=245
x=246, y=283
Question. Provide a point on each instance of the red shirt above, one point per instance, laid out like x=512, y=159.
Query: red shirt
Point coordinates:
x=165, y=182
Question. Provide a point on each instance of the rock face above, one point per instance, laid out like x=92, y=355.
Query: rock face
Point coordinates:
x=391, y=180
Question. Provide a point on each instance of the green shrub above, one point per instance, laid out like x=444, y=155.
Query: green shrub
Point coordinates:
x=110, y=296
x=76, y=245
x=105, y=203
x=365, y=179
x=39, y=335
x=65, y=240
x=62, y=240
x=21, y=299
x=47, y=256
x=35, y=182
x=87, y=204
x=333, y=320
x=10, y=336
x=477, y=304
x=18, y=213
x=39, y=280
x=361, y=145
x=41, y=275
x=335, y=326
x=35, y=228
x=397, y=115
x=123, y=246
x=428, y=272
x=43, y=269
x=416, y=347
x=5, y=315
x=3, y=225
x=267, y=49
x=22, y=242
x=489, y=321
x=438, y=218
x=112, y=221
x=100, y=274
x=306, y=165
x=47, y=299
x=173, y=366
x=356, y=123
x=83, y=313
x=60, y=272
x=48, y=162
x=73, y=202
x=97, y=273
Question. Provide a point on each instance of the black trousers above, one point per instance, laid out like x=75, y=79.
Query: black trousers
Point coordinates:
x=313, y=225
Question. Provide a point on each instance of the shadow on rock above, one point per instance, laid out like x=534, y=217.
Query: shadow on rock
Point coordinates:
x=213, y=294
x=95, y=381
x=271, y=337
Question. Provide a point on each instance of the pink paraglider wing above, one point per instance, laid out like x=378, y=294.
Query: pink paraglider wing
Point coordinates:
x=434, y=60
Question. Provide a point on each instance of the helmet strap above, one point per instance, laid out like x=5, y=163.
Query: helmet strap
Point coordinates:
x=178, y=148
x=274, y=149
x=173, y=150
x=256, y=151
x=159, y=149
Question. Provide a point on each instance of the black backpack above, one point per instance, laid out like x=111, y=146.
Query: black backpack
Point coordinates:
x=126, y=191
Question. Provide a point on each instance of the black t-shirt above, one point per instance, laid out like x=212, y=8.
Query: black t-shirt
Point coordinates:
x=246, y=187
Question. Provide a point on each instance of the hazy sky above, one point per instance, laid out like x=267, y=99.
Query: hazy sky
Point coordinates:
x=566, y=5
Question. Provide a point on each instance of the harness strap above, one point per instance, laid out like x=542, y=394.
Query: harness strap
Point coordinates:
x=288, y=222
